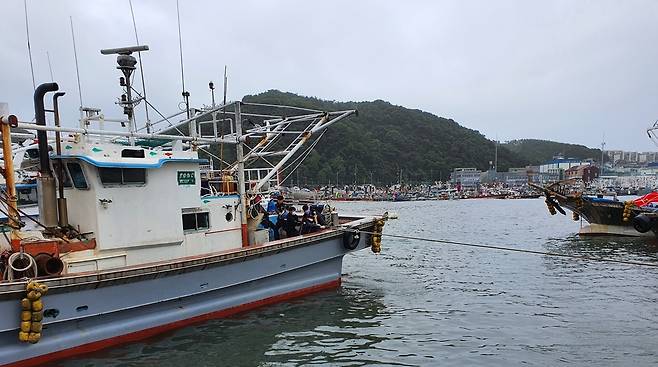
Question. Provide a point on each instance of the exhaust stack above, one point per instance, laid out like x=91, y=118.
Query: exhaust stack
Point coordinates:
x=46, y=181
x=62, y=209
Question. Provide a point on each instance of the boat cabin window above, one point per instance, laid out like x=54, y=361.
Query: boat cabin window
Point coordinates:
x=32, y=153
x=27, y=194
x=65, y=175
x=132, y=153
x=122, y=176
x=196, y=221
x=77, y=176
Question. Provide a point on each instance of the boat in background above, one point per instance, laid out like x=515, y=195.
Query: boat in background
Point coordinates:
x=604, y=216
x=138, y=234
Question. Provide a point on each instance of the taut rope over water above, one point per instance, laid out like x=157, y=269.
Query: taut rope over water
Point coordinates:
x=512, y=249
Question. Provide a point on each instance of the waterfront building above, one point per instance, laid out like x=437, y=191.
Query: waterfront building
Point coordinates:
x=466, y=177
x=560, y=163
x=620, y=158
x=585, y=172
x=515, y=177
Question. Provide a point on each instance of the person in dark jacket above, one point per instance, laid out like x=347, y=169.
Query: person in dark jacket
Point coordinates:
x=292, y=221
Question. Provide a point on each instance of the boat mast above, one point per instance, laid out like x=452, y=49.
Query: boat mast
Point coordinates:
x=602, y=155
x=5, y=126
x=240, y=172
x=127, y=64
x=496, y=158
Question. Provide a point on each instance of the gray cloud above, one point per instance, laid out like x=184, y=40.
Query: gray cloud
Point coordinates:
x=561, y=70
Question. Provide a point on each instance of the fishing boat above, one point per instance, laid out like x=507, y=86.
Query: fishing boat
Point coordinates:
x=603, y=216
x=148, y=237
x=25, y=160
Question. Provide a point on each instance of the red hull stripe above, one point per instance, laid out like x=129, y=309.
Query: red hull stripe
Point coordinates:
x=142, y=334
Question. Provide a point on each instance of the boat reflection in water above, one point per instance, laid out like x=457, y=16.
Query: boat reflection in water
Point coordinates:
x=327, y=328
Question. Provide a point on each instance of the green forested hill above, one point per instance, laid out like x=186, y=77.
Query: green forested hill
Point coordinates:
x=384, y=139
x=538, y=151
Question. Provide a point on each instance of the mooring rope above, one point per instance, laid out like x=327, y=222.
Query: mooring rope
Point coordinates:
x=509, y=249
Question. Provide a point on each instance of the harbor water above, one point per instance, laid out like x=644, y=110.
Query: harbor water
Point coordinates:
x=429, y=304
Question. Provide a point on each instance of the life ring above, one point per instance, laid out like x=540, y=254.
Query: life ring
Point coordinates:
x=351, y=239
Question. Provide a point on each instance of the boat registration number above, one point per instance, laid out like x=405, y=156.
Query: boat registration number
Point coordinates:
x=186, y=178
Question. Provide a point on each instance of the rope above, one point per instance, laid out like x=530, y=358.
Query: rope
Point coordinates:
x=511, y=249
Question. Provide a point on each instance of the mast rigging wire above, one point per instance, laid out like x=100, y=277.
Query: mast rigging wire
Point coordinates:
x=302, y=156
x=141, y=68
x=182, y=71
x=172, y=125
x=50, y=66
x=29, y=48
x=77, y=70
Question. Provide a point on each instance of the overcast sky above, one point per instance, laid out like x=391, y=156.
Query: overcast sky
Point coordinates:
x=569, y=71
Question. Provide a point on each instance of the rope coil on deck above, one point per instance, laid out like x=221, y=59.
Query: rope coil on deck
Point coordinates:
x=32, y=313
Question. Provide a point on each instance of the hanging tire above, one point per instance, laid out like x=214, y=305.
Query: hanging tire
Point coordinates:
x=351, y=240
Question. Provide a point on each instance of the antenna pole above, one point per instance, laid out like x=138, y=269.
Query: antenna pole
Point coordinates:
x=77, y=69
x=29, y=48
x=225, y=84
x=186, y=94
x=141, y=69
x=211, y=85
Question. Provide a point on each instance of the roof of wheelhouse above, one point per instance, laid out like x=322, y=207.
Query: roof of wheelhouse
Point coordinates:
x=108, y=155
x=132, y=163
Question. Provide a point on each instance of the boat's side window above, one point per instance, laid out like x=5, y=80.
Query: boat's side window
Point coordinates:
x=110, y=176
x=132, y=153
x=202, y=221
x=122, y=176
x=65, y=175
x=196, y=221
x=189, y=222
x=134, y=176
x=32, y=153
x=77, y=176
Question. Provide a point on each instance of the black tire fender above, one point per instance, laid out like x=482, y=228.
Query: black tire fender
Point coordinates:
x=351, y=239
